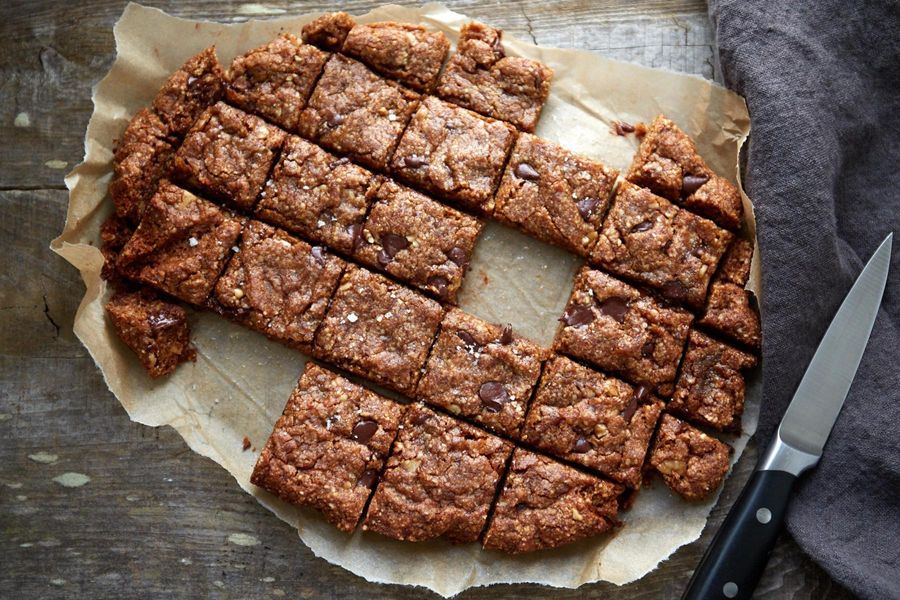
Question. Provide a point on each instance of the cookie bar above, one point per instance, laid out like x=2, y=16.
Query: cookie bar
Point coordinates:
x=545, y=504
x=735, y=265
x=143, y=157
x=228, y=154
x=275, y=80
x=156, y=331
x=731, y=311
x=710, y=387
x=454, y=154
x=480, y=76
x=409, y=53
x=114, y=234
x=277, y=285
x=668, y=164
x=620, y=329
x=692, y=464
x=328, y=446
x=197, y=85
x=595, y=420
x=317, y=195
x=554, y=194
x=418, y=241
x=354, y=112
x=378, y=329
x=329, y=31
x=482, y=372
x=648, y=239
x=439, y=481
x=181, y=245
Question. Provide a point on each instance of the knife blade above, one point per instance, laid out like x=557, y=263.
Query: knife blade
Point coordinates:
x=737, y=556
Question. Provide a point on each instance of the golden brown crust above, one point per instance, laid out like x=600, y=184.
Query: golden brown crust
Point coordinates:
x=198, y=84
x=482, y=372
x=329, y=445
x=731, y=311
x=480, y=76
x=691, y=463
x=554, y=194
x=439, y=480
x=545, y=504
x=735, y=265
x=329, y=31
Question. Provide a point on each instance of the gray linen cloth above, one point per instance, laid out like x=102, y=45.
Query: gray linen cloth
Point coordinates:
x=822, y=81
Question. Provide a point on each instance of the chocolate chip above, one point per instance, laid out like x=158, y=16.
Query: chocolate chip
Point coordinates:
x=622, y=128
x=341, y=161
x=414, y=161
x=493, y=396
x=393, y=243
x=334, y=119
x=439, y=285
x=577, y=316
x=520, y=506
x=468, y=340
x=586, y=207
x=459, y=256
x=318, y=253
x=363, y=431
x=581, y=445
x=383, y=258
x=354, y=230
x=648, y=348
x=642, y=226
x=674, y=290
x=527, y=172
x=641, y=392
x=367, y=478
x=421, y=418
x=506, y=336
x=629, y=410
x=692, y=183
x=614, y=307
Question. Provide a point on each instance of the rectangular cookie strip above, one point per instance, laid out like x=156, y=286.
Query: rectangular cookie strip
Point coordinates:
x=277, y=285
x=378, y=329
x=648, y=239
x=545, y=504
x=328, y=446
x=329, y=31
x=554, y=194
x=198, y=84
x=619, y=329
x=482, y=372
x=691, y=463
x=592, y=419
x=439, y=480
x=731, y=311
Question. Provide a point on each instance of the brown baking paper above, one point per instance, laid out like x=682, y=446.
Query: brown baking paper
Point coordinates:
x=241, y=381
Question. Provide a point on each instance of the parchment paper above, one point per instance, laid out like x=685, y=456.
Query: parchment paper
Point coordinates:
x=241, y=381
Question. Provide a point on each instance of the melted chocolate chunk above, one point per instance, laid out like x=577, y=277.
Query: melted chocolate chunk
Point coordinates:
x=421, y=418
x=674, y=290
x=363, y=431
x=392, y=244
x=641, y=392
x=526, y=172
x=692, y=183
x=367, y=478
x=341, y=161
x=334, y=119
x=577, y=316
x=383, y=258
x=629, y=410
x=458, y=255
x=581, y=445
x=414, y=161
x=318, y=253
x=493, y=396
x=354, y=230
x=586, y=207
x=642, y=226
x=439, y=285
x=614, y=307
x=506, y=336
x=468, y=340
x=648, y=348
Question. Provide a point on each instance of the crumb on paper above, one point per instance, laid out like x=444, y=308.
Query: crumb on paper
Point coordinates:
x=246, y=444
x=622, y=128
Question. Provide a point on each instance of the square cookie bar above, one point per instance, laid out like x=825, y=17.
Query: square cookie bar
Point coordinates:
x=648, y=239
x=329, y=31
x=735, y=265
x=454, y=154
x=143, y=156
x=620, y=329
x=197, y=85
x=692, y=464
x=554, y=194
x=731, y=311
x=354, y=112
x=328, y=446
x=317, y=195
x=156, y=331
x=481, y=77
x=710, y=387
x=667, y=162
x=418, y=241
x=440, y=480
x=545, y=504
x=228, y=154
x=181, y=245
x=275, y=80
x=409, y=53
x=598, y=421
x=378, y=329
x=277, y=285
x=482, y=371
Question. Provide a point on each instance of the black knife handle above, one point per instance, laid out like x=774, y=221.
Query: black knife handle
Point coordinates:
x=735, y=560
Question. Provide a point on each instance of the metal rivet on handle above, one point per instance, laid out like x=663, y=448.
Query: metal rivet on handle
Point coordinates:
x=730, y=589
x=764, y=515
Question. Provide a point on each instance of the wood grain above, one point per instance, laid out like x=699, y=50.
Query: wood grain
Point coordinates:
x=155, y=519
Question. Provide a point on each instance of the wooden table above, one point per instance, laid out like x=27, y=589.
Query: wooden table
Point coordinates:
x=155, y=519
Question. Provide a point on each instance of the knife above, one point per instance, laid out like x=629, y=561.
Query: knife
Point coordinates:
x=737, y=556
